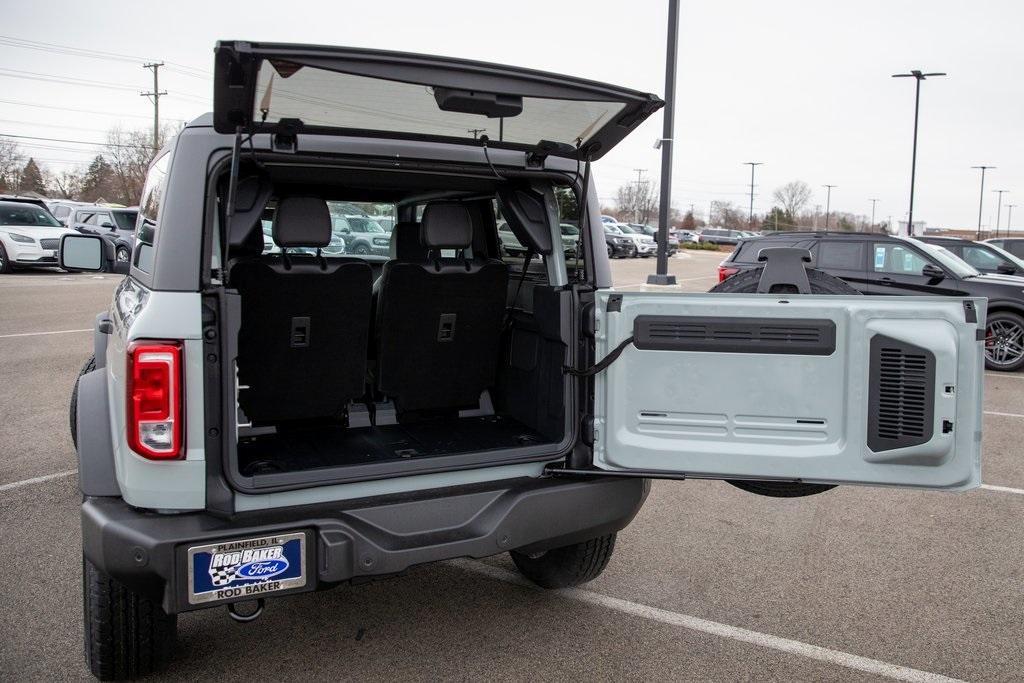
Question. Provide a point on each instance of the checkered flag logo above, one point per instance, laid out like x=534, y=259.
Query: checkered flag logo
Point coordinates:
x=222, y=576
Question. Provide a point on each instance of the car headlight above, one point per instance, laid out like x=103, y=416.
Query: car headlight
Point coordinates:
x=381, y=241
x=24, y=239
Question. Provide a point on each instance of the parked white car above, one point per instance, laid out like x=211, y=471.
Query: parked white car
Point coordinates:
x=29, y=236
x=644, y=243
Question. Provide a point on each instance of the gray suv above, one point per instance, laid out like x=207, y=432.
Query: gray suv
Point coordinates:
x=257, y=423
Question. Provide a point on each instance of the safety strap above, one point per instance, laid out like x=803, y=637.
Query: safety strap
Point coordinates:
x=605, y=362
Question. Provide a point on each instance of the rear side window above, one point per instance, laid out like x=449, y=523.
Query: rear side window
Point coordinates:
x=149, y=212
x=840, y=255
x=1015, y=247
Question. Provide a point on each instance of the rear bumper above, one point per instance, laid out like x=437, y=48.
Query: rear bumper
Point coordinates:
x=148, y=551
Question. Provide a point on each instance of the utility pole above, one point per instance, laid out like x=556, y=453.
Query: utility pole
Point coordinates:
x=1008, y=219
x=981, y=200
x=155, y=95
x=918, y=77
x=999, y=209
x=636, y=196
x=753, y=165
x=476, y=132
x=661, y=276
x=873, y=202
x=828, y=203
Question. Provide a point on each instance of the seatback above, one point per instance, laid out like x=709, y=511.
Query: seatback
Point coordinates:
x=439, y=319
x=305, y=323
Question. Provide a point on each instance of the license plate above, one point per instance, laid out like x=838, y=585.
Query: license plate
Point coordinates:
x=247, y=568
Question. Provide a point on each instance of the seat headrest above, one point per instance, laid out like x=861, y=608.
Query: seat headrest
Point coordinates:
x=446, y=225
x=405, y=242
x=302, y=222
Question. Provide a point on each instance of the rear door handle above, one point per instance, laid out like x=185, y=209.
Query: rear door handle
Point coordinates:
x=888, y=281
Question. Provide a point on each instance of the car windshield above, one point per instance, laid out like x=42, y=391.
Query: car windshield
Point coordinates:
x=954, y=263
x=1007, y=255
x=27, y=215
x=125, y=219
x=627, y=230
x=612, y=229
x=360, y=224
x=568, y=229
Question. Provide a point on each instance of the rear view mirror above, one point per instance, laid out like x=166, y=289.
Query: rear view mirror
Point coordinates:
x=933, y=271
x=1006, y=269
x=107, y=224
x=81, y=252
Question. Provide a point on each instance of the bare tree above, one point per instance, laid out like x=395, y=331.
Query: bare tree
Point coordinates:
x=68, y=184
x=793, y=196
x=128, y=153
x=11, y=163
x=637, y=201
x=727, y=215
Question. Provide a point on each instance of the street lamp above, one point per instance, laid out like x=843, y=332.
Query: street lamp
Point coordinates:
x=999, y=209
x=981, y=199
x=662, y=276
x=753, y=165
x=918, y=77
x=1008, y=218
x=828, y=202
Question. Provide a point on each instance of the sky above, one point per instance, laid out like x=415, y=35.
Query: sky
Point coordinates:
x=804, y=87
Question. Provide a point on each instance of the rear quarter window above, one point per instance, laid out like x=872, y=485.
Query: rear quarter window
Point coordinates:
x=840, y=255
x=149, y=213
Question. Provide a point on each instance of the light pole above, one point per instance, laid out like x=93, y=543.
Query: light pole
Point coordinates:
x=873, y=202
x=828, y=203
x=999, y=208
x=918, y=77
x=1009, y=216
x=636, y=195
x=662, y=277
x=753, y=165
x=981, y=198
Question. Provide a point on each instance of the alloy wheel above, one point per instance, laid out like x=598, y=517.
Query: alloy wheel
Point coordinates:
x=1004, y=342
x=122, y=255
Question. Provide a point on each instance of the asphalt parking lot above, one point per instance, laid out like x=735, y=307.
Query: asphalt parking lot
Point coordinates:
x=709, y=582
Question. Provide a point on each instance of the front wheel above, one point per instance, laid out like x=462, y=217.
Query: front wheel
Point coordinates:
x=362, y=249
x=1004, y=341
x=567, y=566
x=127, y=635
x=5, y=263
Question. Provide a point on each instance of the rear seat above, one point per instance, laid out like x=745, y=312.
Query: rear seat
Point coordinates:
x=305, y=323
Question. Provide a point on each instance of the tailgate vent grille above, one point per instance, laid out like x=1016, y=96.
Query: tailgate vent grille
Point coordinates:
x=735, y=335
x=901, y=396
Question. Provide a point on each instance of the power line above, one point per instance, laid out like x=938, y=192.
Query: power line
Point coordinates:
x=76, y=142
x=80, y=111
x=11, y=41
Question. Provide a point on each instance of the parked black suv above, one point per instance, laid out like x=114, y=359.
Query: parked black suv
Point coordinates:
x=1014, y=245
x=884, y=264
x=988, y=258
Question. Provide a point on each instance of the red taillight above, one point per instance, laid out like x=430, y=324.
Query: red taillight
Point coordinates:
x=155, y=400
x=725, y=272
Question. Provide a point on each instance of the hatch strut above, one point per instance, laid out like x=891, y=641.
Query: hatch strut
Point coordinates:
x=229, y=209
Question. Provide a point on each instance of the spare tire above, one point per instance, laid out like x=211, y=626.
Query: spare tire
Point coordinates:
x=746, y=283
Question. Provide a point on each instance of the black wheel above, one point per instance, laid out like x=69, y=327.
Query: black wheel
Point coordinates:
x=122, y=254
x=5, y=263
x=632, y=252
x=611, y=252
x=1004, y=341
x=127, y=635
x=746, y=283
x=89, y=366
x=567, y=566
x=362, y=249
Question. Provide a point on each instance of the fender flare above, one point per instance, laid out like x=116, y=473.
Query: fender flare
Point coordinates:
x=96, y=473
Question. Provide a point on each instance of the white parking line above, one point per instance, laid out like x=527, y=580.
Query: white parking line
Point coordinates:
x=1003, y=489
x=679, y=279
x=36, y=334
x=37, y=480
x=1003, y=375
x=794, y=647
x=992, y=412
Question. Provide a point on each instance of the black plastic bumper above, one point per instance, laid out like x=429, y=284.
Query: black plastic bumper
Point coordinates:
x=147, y=551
